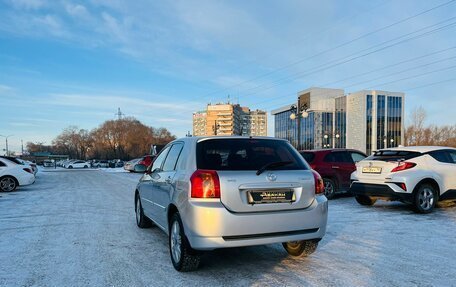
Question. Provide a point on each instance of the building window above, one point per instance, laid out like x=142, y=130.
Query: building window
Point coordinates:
x=381, y=137
x=369, y=124
x=394, y=121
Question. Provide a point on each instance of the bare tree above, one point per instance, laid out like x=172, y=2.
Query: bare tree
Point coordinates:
x=417, y=133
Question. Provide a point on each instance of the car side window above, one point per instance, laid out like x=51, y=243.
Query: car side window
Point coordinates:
x=452, y=155
x=173, y=156
x=159, y=160
x=356, y=157
x=441, y=156
x=2, y=163
x=339, y=156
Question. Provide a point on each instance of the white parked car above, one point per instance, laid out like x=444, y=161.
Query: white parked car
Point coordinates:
x=420, y=175
x=78, y=164
x=13, y=175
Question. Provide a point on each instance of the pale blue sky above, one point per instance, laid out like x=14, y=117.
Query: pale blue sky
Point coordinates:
x=74, y=62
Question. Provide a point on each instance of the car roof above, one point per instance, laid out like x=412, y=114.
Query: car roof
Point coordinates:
x=329, y=150
x=203, y=138
x=421, y=149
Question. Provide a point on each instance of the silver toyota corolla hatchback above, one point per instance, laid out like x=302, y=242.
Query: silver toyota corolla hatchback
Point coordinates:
x=218, y=192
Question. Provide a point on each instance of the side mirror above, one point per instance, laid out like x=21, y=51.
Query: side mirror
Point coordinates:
x=140, y=168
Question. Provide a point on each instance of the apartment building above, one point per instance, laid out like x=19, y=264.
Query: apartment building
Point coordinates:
x=229, y=119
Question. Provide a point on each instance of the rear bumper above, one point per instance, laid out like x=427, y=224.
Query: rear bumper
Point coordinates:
x=26, y=179
x=383, y=191
x=213, y=226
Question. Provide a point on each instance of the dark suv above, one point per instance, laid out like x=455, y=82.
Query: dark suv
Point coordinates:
x=335, y=167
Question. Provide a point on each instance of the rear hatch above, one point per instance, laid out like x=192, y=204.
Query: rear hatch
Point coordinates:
x=258, y=174
x=378, y=167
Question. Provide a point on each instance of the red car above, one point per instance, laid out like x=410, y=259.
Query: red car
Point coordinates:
x=335, y=167
x=147, y=160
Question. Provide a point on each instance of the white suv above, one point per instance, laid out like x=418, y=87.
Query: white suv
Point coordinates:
x=420, y=175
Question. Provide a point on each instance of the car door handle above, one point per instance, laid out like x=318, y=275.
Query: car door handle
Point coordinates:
x=335, y=167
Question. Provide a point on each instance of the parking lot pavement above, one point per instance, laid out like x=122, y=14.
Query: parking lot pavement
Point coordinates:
x=77, y=228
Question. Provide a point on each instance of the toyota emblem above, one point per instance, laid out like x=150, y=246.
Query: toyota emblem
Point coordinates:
x=271, y=176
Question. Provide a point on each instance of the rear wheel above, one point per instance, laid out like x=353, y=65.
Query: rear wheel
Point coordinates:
x=85, y=166
x=365, y=200
x=70, y=166
x=183, y=256
x=141, y=220
x=8, y=183
x=330, y=188
x=425, y=198
x=300, y=248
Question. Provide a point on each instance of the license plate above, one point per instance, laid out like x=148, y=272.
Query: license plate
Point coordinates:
x=372, y=169
x=268, y=196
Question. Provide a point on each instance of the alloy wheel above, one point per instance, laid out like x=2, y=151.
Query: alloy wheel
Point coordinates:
x=426, y=198
x=138, y=211
x=176, y=241
x=7, y=184
x=329, y=188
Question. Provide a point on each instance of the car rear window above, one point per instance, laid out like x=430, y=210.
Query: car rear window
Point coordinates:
x=308, y=156
x=393, y=155
x=246, y=154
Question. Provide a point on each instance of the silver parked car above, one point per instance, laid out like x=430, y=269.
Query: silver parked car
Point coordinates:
x=217, y=192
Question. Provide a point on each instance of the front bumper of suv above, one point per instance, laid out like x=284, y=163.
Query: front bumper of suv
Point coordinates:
x=213, y=226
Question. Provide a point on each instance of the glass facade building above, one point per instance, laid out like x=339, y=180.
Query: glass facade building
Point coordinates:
x=365, y=120
x=312, y=132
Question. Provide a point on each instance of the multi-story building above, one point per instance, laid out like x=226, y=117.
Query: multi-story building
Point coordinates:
x=229, y=119
x=254, y=123
x=375, y=120
x=317, y=121
x=326, y=118
x=199, y=123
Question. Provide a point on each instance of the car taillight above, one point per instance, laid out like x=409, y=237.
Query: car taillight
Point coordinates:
x=28, y=170
x=205, y=184
x=313, y=166
x=403, y=166
x=319, y=185
x=401, y=185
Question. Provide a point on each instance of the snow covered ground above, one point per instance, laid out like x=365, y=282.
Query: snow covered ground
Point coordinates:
x=77, y=228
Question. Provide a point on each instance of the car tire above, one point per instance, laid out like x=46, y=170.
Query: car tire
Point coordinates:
x=330, y=188
x=141, y=220
x=183, y=256
x=8, y=183
x=365, y=200
x=85, y=166
x=425, y=198
x=300, y=248
x=70, y=166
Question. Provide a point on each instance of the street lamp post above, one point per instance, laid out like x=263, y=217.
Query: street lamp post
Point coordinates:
x=6, y=142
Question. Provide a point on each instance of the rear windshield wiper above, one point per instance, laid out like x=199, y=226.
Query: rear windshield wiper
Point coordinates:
x=272, y=165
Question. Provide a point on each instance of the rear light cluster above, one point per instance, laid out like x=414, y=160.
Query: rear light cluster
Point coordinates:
x=205, y=184
x=319, y=185
x=403, y=166
x=28, y=170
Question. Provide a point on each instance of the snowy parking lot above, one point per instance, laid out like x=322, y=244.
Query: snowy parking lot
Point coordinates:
x=77, y=228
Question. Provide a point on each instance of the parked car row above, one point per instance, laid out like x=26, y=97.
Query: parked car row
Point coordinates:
x=75, y=163
x=15, y=172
